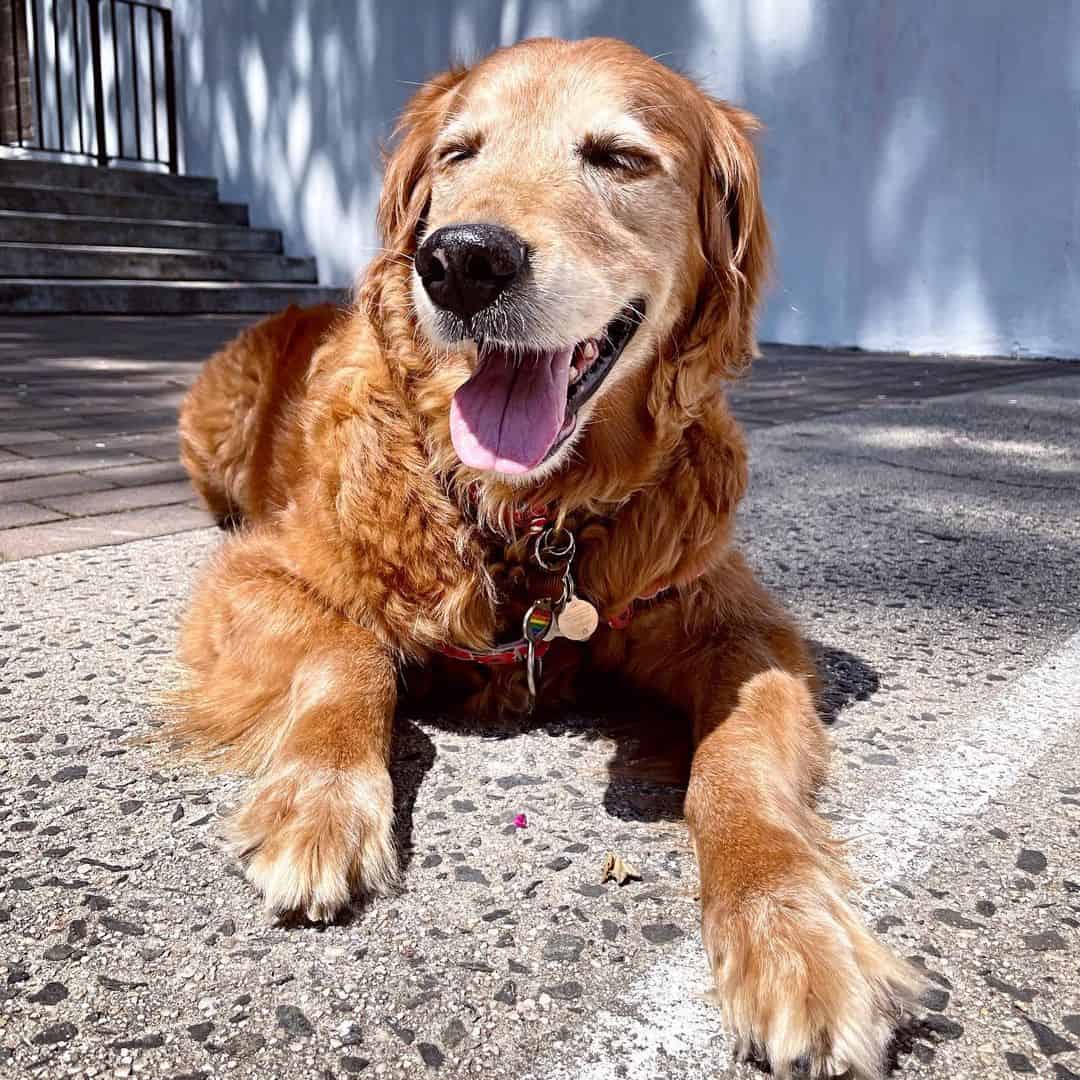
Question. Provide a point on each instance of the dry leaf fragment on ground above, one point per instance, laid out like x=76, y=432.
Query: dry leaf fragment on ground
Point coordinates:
x=615, y=869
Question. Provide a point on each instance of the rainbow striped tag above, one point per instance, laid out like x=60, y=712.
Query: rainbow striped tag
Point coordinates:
x=538, y=620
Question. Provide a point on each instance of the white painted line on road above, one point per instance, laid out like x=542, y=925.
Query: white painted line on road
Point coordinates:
x=983, y=757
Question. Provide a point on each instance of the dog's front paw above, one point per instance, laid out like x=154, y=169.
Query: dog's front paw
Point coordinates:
x=312, y=838
x=801, y=981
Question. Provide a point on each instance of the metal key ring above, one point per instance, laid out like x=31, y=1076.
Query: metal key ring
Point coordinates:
x=569, y=591
x=546, y=545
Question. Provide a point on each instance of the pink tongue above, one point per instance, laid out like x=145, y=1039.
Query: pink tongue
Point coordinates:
x=509, y=414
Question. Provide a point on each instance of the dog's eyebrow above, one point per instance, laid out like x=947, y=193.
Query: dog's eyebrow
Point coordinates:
x=460, y=135
x=460, y=130
x=627, y=125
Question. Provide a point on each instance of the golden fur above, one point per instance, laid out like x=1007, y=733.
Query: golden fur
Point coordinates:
x=367, y=544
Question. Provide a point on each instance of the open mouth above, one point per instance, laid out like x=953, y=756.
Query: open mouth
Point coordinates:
x=520, y=405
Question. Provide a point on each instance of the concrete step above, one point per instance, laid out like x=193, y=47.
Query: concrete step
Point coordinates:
x=67, y=261
x=59, y=200
x=38, y=296
x=24, y=172
x=22, y=228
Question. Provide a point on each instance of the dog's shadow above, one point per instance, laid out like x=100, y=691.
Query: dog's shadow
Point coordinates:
x=844, y=679
x=412, y=754
x=653, y=747
x=651, y=744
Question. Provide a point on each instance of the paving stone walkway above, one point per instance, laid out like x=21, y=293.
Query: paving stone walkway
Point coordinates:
x=88, y=453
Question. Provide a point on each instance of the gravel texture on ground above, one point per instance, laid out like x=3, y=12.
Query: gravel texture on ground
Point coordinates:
x=931, y=551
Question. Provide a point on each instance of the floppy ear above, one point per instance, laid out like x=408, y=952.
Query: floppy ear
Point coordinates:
x=738, y=234
x=406, y=187
x=735, y=243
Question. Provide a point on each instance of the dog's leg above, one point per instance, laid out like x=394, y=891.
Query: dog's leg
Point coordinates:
x=297, y=695
x=797, y=974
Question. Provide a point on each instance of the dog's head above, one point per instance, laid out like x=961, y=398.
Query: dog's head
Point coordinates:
x=587, y=245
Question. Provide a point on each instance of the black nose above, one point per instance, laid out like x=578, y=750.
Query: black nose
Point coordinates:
x=464, y=267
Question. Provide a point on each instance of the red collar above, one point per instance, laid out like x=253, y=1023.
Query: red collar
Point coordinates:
x=533, y=519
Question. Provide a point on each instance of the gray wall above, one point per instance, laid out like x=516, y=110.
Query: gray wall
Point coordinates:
x=921, y=162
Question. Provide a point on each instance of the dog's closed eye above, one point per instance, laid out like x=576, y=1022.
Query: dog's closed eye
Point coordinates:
x=460, y=148
x=613, y=154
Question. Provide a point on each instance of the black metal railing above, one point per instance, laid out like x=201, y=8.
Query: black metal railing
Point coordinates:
x=89, y=78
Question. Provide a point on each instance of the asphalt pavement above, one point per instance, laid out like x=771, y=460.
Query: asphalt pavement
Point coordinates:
x=928, y=538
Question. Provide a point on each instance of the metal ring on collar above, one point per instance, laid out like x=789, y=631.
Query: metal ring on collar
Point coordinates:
x=550, y=545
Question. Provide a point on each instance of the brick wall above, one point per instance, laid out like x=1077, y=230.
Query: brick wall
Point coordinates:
x=10, y=47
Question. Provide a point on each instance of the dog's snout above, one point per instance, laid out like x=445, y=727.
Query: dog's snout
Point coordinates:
x=465, y=267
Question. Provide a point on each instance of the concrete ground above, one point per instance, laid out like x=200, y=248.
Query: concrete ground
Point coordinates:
x=920, y=517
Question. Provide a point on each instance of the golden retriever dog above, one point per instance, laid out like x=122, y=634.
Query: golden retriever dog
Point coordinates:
x=574, y=248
